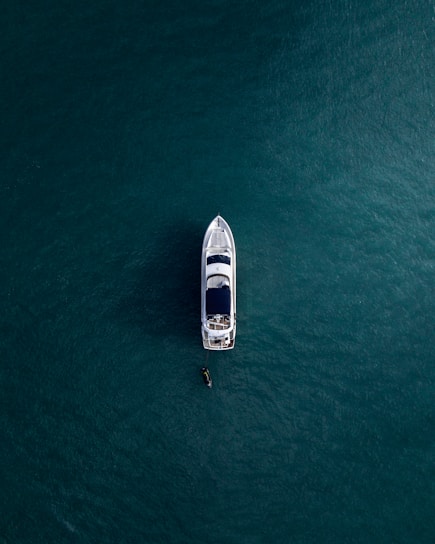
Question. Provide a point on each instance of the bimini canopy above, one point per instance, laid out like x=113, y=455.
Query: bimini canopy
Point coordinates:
x=218, y=301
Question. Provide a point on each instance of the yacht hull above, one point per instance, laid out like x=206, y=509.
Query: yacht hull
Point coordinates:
x=218, y=287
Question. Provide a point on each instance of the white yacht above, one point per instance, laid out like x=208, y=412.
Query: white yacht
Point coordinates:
x=218, y=286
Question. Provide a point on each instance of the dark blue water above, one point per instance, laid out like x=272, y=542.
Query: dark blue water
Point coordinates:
x=125, y=128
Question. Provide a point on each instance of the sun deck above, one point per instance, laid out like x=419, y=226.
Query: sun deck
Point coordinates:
x=218, y=322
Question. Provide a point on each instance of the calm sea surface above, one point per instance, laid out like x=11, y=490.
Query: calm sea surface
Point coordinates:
x=125, y=128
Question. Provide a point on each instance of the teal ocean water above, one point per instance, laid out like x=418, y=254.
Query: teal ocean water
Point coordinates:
x=125, y=128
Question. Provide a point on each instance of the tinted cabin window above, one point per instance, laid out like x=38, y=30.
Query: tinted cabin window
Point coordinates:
x=224, y=259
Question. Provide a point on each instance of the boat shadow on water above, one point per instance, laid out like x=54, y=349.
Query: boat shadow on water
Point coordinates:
x=164, y=297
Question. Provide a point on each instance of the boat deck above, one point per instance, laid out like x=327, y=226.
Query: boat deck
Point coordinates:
x=215, y=323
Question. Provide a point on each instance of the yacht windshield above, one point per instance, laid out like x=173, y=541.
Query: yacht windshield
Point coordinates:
x=224, y=259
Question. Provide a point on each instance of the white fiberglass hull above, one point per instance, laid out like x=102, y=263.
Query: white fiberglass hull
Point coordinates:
x=218, y=286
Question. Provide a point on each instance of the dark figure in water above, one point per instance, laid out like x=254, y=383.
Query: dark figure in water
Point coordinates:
x=206, y=376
